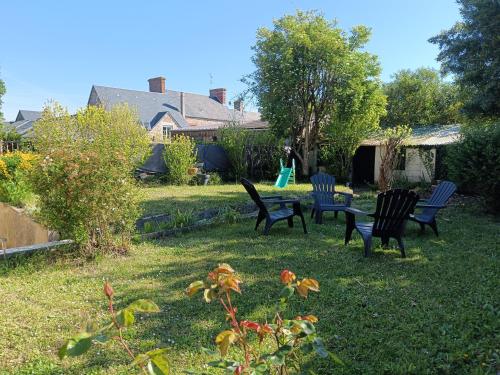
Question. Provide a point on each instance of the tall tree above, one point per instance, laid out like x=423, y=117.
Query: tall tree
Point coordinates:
x=421, y=97
x=2, y=93
x=305, y=67
x=471, y=51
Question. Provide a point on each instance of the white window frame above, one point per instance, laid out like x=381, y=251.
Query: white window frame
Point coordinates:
x=167, y=131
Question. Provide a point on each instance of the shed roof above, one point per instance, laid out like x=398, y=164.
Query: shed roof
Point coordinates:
x=431, y=135
x=25, y=114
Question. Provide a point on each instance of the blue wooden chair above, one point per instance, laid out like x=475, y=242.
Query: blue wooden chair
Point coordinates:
x=430, y=207
x=283, y=213
x=324, y=197
x=393, y=210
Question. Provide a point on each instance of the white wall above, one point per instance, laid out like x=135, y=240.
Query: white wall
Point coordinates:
x=415, y=169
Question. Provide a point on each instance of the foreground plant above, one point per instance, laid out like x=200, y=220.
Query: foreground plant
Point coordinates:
x=279, y=345
x=153, y=362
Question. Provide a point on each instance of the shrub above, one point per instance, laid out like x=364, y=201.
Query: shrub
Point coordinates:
x=394, y=139
x=233, y=139
x=253, y=154
x=273, y=347
x=214, y=179
x=14, y=183
x=474, y=162
x=85, y=176
x=263, y=151
x=180, y=155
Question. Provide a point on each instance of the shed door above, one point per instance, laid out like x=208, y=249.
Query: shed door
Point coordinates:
x=363, y=165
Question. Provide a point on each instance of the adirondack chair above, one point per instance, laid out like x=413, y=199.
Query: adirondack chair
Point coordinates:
x=283, y=213
x=324, y=197
x=430, y=207
x=393, y=210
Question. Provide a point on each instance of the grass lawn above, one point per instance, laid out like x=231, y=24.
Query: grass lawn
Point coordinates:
x=437, y=311
x=160, y=199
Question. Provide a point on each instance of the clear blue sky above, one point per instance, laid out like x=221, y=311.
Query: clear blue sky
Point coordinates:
x=57, y=50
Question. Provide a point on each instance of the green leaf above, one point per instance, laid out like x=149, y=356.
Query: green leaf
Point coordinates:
x=101, y=338
x=144, y=306
x=75, y=346
x=140, y=360
x=287, y=292
x=261, y=368
x=307, y=327
x=125, y=317
x=156, y=362
x=160, y=361
x=278, y=357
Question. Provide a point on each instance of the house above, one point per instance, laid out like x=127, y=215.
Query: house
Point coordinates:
x=165, y=112
x=24, y=121
x=421, y=155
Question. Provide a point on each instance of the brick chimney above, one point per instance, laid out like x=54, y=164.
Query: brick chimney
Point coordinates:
x=219, y=95
x=157, y=85
x=183, y=105
x=238, y=105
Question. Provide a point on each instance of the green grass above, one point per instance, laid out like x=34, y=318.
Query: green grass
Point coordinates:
x=160, y=199
x=437, y=311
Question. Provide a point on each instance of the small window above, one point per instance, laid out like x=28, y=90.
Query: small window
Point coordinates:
x=167, y=129
x=401, y=166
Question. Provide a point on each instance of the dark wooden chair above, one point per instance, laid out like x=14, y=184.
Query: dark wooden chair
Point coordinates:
x=393, y=210
x=430, y=207
x=282, y=213
x=324, y=197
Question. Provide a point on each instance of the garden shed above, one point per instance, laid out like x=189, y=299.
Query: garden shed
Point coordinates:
x=420, y=157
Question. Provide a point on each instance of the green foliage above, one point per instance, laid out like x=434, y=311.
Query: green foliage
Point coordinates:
x=253, y=154
x=304, y=65
x=85, y=178
x=215, y=179
x=153, y=362
x=2, y=93
x=394, y=139
x=233, y=139
x=421, y=97
x=15, y=187
x=7, y=133
x=474, y=162
x=180, y=155
x=182, y=219
x=281, y=343
x=470, y=51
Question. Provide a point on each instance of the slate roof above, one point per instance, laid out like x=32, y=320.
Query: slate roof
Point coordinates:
x=150, y=105
x=430, y=135
x=24, y=114
x=22, y=127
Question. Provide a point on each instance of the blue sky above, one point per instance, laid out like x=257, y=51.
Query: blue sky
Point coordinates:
x=57, y=50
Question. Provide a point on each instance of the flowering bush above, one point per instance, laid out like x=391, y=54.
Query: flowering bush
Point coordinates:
x=153, y=362
x=280, y=344
x=85, y=175
x=14, y=183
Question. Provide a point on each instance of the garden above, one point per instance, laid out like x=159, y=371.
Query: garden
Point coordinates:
x=165, y=274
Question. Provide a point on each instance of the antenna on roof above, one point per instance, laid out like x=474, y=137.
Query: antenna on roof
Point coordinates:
x=211, y=79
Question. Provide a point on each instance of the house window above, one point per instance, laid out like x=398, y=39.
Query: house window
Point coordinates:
x=401, y=166
x=167, y=129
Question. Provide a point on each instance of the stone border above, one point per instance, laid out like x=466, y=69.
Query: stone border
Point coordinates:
x=205, y=218
x=32, y=248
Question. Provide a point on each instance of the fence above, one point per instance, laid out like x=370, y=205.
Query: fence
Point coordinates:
x=10, y=146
